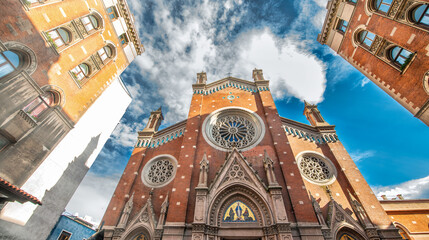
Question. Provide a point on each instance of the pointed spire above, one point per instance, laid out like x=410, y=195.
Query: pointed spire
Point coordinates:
x=159, y=109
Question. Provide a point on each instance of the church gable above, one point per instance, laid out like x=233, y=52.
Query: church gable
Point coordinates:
x=236, y=170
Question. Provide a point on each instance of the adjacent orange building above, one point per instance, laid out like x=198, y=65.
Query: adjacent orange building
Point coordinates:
x=410, y=216
x=61, y=96
x=235, y=169
x=388, y=41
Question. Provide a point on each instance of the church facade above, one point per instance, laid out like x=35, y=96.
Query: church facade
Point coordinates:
x=235, y=169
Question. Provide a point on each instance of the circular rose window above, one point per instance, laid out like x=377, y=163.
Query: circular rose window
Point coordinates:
x=316, y=169
x=159, y=171
x=233, y=127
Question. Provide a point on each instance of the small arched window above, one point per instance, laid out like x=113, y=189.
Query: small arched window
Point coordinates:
x=105, y=53
x=36, y=107
x=342, y=26
x=80, y=71
x=382, y=6
x=420, y=14
x=59, y=37
x=366, y=38
x=400, y=56
x=90, y=23
x=9, y=62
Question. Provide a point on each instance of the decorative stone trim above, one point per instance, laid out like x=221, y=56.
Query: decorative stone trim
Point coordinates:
x=162, y=137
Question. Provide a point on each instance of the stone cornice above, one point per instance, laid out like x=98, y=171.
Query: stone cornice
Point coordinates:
x=132, y=30
x=332, y=7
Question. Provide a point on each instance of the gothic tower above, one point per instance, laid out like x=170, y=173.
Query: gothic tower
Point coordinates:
x=235, y=169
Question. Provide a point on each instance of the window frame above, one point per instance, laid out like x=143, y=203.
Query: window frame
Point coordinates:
x=362, y=42
x=394, y=59
x=340, y=25
x=34, y=106
x=90, y=23
x=81, y=70
x=424, y=14
x=124, y=37
x=53, y=40
x=67, y=232
x=9, y=62
x=382, y=2
x=113, y=13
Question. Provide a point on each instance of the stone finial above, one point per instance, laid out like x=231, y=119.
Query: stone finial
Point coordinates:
x=384, y=197
x=313, y=115
x=400, y=197
x=257, y=75
x=201, y=78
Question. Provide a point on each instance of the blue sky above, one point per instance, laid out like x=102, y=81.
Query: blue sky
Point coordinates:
x=182, y=38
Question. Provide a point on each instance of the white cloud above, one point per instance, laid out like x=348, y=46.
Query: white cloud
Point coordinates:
x=361, y=155
x=93, y=196
x=364, y=81
x=414, y=189
x=199, y=42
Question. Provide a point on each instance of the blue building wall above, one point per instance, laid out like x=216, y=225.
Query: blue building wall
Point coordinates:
x=77, y=230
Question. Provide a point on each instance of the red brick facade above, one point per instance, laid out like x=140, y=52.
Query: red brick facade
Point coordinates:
x=345, y=205
x=407, y=83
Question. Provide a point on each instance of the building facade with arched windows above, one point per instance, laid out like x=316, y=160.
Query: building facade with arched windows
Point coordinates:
x=60, y=66
x=386, y=40
x=235, y=169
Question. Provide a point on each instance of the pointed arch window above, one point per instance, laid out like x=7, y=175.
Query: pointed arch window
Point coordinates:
x=420, y=14
x=91, y=23
x=81, y=71
x=9, y=63
x=382, y=6
x=366, y=38
x=36, y=107
x=59, y=37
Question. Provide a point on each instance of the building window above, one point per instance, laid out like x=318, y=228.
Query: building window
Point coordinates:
x=400, y=56
x=382, y=6
x=80, y=71
x=366, y=38
x=9, y=62
x=64, y=235
x=159, y=171
x=342, y=26
x=112, y=13
x=36, y=107
x=316, y=169
x=90, y=23
x=105, y=53
x=59, y=37
x=420, y=14
x=123, y=39
x=352, y=1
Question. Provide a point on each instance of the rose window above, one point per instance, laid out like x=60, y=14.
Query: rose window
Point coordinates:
x=158, y=172
x=233, y=131
x=230, y=128
x=316, y=169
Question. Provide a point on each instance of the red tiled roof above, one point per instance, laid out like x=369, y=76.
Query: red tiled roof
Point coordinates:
x=18, y=192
